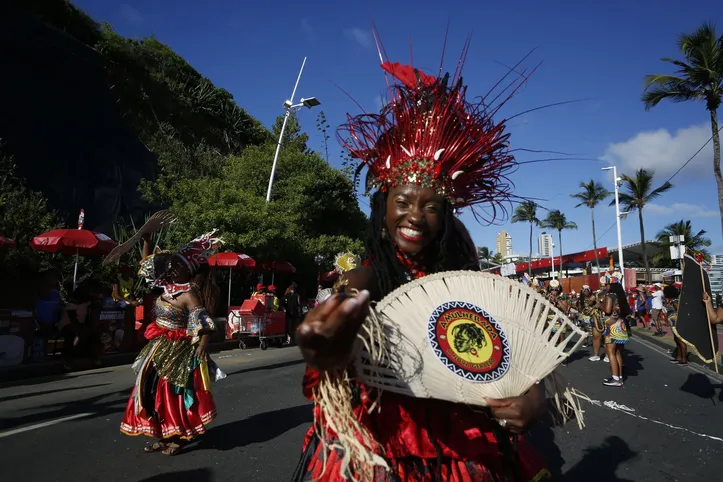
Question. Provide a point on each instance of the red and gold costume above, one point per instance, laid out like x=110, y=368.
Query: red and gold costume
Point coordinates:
x=431, y=136
x=172, y=393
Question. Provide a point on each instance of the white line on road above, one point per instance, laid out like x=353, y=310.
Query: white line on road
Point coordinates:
x=629, y=411
x=44, y=424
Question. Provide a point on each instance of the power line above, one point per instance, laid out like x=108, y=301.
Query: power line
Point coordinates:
x=603, y=234
x=693, y=156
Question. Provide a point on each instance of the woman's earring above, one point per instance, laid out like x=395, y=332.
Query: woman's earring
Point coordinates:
x=384, y=233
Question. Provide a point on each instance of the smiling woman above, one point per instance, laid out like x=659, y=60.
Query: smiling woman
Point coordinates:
x=429, y=152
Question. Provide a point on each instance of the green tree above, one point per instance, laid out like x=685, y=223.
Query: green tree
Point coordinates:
x=640, y=192
x=322, y=125
x=526, y=212
x=484, y=253
x=698, y=77
x=313, y=209
x=557, y=220
x=592, y=193
x=498, y=259
x=696, y=243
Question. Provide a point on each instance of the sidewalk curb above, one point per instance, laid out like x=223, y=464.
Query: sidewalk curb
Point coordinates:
x=660, y=342
x=55, y=367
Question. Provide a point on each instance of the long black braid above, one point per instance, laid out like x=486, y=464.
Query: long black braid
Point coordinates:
x=453, y=251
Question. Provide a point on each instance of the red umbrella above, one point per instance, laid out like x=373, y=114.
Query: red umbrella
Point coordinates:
x=231, y=261
x=280, y=267
x=73, y=241
x=332, y=275
x=6, y=243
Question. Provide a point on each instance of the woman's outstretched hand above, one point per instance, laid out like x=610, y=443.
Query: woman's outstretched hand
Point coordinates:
x=327, y=335
x=516, y=414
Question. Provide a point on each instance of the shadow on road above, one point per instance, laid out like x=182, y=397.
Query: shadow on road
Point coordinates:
x=117, y=403
x=194, y=475
x=46, y=379
x=632, y=363
x=542, y=438
x=267, y=367
x=602, y=461
x=255, y=429
x=47, y=392
x=701, y=386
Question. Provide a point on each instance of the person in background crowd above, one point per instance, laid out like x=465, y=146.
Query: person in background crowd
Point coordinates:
x=271, y=290
x=715, y=315
x=48, y=303
x=640, y=300
x=680, y=354
x=616, y=332
x=292, y=302
x=123, y=288
x=656, y=309
x=260, y=290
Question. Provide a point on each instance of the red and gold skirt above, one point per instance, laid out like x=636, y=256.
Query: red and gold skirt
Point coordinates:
x=171, y=396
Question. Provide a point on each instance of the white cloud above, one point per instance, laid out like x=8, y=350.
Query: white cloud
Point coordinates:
x=130, y=14
x=682, y=210
x=664, y=152
x=306, y=27
x=360, y=36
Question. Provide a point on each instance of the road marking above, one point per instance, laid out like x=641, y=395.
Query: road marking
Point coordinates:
x=44, y=424
x=630, y=411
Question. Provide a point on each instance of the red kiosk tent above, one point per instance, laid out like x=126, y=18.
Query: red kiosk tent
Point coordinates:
x=231, y=261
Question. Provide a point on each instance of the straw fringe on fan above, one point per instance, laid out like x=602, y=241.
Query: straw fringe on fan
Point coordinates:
x=394, y=353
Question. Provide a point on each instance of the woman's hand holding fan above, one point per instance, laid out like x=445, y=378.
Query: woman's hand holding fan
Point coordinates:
x=326, y=338
x=516, y=414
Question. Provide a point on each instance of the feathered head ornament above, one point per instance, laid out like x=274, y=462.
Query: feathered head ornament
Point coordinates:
x=195, y=253
x=430, y=135
x=346, y=262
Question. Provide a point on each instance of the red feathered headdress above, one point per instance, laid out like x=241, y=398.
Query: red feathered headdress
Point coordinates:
x=430, y=135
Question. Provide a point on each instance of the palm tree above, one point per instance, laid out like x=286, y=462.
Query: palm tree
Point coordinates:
x=526, y=212
x=641, y=192
x=698, y=77
x=591, y=195
x=693, y=242
x=557, y=220
x=484, y=253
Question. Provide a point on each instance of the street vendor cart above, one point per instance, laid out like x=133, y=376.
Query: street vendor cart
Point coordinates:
x=256, y=322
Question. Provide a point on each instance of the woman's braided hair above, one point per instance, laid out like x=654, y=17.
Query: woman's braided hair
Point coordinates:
x=453, y=250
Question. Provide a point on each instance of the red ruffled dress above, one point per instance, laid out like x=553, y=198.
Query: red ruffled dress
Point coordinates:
x=423, y=440
x=171, y=396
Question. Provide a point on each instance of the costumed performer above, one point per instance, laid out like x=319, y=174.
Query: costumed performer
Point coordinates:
x=617, y=330
x=172, y=398
x=429, y=152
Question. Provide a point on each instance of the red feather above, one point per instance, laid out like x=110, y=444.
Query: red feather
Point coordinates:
x=407, y=75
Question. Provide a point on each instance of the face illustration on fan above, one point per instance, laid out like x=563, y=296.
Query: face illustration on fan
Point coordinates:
x=468, y=341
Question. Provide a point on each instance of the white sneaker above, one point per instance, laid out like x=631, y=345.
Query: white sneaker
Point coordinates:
x=606, y=359
x=594, y=358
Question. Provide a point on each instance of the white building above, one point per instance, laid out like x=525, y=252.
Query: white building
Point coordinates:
x=716, y=274
x=544, y=245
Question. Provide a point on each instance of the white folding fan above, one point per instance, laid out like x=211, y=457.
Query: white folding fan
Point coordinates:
x=463, y=336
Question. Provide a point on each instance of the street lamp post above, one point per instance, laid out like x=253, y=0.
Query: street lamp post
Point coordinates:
x=318, y=259
x=618, y=215
x=289, y=107
x=552, y=261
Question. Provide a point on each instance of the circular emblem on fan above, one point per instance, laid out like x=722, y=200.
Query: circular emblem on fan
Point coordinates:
x=468, y=341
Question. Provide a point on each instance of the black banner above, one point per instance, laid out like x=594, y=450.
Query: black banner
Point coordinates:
x=692, y=325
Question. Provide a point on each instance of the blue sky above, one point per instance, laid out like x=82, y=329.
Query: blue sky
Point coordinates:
x=597, y=51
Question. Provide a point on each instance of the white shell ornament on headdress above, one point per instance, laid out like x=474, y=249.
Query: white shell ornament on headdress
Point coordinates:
x=554, y=284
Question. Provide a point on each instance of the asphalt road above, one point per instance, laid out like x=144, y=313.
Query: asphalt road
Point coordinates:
x=666, y=424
